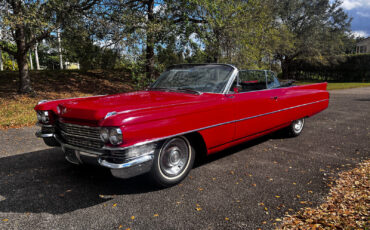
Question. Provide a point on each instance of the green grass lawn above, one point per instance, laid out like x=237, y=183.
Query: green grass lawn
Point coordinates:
x=339, y=85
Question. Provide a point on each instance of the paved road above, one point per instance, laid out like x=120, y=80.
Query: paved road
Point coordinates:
x=39, y=190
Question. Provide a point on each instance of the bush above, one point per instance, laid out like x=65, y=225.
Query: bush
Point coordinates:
x=344, y=68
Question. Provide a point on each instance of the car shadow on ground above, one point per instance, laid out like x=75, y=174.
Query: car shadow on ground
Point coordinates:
x=43, y=181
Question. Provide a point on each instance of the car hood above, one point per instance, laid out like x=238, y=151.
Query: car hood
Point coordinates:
x=97, y=108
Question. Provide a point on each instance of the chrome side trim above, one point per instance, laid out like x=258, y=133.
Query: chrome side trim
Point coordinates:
x=208, y=127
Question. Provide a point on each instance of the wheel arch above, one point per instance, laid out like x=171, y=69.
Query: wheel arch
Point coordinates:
x=198, y=143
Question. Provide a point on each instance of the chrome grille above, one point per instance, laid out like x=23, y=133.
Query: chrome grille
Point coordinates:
x=79, y=130
x=81, y=136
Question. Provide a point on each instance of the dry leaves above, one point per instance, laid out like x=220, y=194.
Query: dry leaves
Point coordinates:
x=346, y=206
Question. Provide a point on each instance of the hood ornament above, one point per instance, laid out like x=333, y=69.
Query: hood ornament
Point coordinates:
x=110, y=114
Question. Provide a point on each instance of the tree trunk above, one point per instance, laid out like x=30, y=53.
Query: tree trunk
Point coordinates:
x=24, y=78
x=149, y=62
x=31, y=62
x=60, y=50
x=285, y=67
x=37, y=57
x=217, y=47
x=1, y=61
x=25, y=81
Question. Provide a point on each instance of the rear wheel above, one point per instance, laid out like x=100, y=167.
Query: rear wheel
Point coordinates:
x=295, y=128
x=173, y=161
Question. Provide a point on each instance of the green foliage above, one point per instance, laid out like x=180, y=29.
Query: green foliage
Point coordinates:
x=8, y=62
x=236, y=32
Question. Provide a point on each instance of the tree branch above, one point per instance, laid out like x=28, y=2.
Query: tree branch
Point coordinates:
x=181, y=19
x=39, y=38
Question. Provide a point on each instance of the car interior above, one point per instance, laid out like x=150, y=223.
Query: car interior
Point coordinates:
x=254, y=80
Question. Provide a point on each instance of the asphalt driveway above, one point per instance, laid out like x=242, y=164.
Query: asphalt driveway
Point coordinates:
x=246, y=187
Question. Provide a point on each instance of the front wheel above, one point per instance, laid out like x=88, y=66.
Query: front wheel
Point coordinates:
x=295, y=128
x=173, y=162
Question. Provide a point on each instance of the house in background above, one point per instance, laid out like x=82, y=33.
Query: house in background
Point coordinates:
x=72, y=65
x=363, y=46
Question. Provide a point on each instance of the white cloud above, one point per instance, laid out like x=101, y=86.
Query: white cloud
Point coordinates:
x=363, y=14
x=360, y=33
x=354, y=4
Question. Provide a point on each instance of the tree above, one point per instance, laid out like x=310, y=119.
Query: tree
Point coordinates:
x=27, y=22
x=147, y=24
x=309, y=29
x=1, y=61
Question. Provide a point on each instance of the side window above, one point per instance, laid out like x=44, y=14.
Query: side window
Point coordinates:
x=272, y=81
x=252, y=80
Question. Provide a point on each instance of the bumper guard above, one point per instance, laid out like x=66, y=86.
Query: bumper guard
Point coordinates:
x=130, y=168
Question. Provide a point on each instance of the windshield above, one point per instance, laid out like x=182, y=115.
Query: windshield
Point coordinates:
x=199, y=78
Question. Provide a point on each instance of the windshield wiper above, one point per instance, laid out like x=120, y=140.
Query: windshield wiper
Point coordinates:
x=189, y=90
x=161, y=88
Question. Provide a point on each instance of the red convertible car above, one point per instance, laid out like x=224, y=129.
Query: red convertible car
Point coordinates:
x=190, y=110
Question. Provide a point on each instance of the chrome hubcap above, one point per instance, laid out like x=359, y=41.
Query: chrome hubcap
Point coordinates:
x=174, y=157
x=298, y=125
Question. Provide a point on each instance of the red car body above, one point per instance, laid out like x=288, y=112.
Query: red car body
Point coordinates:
x=220, y=120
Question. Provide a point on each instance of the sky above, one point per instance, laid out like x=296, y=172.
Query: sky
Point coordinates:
x=359, y=10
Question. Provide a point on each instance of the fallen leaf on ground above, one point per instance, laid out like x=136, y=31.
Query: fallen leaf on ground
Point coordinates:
x=346, y=206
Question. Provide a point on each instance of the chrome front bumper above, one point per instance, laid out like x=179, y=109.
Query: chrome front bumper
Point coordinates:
x=127, y=169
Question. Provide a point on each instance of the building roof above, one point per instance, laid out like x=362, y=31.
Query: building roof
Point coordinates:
x=366, y=41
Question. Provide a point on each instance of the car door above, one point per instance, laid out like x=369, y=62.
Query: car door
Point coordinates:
x=255, y=104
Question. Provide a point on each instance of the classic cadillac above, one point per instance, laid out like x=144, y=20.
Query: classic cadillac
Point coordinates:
x=191, y=110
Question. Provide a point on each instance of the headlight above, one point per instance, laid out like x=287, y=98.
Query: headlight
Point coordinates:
x=38, y=116
x=104, y=135
x=43, y=116
x=115, y=136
